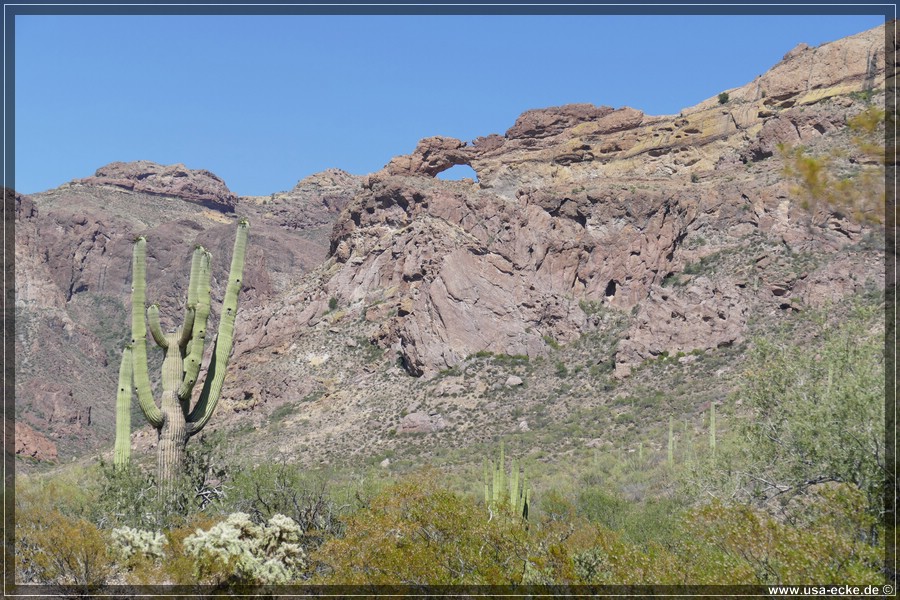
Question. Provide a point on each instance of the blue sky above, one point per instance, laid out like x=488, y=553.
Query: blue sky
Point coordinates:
x=263, y=101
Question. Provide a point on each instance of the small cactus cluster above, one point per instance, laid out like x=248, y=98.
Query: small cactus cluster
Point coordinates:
x=512, y=490
x=129, y=542
x=267, y=554
x=712, y=436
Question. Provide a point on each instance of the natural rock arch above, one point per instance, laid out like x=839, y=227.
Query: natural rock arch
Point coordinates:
x=458, y=172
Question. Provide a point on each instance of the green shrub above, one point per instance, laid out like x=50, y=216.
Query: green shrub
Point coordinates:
x=602, y=507
x=723, y=98
x=52, y=548
x=282, y=488
x=818, y=412
x=560, y=369
x=770, y=551
x=129, y=496
x=418, y=533
x=283, y=411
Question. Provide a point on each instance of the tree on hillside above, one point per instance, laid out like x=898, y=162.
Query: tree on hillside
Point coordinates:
x=851, y=185
x=817, y=412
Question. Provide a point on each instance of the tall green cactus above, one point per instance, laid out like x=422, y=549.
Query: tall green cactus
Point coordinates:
x=671, y=448
x=174, y=419
x=122, y=450
x=500, y=490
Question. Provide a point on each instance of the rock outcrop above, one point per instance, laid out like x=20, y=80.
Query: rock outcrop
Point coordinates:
x=198, y=186
x=591, y=204
x=31, y=444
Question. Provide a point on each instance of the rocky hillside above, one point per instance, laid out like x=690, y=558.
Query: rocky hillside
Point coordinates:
x=595, y=243
x=73, y=274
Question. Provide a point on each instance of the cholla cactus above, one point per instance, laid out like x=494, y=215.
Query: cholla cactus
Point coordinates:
x=269, y=554
x=129, y=542
x=590, y=564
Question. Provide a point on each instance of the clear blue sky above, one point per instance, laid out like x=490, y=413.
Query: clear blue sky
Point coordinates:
x=263, y=101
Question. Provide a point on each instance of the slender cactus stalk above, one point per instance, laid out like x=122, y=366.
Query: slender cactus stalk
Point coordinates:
x=514, y=484
x=671, y=456
x=712, y=427
x=495, y=490
x=122, y=450
x=487, y=485
x=524, y=499
x=199, y=289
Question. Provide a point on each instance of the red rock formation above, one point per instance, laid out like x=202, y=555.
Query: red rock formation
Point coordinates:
x=589, y=203
x=32, y=444
x=199, y=186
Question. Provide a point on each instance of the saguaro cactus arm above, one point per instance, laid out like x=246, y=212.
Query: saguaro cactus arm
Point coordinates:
x=186, y=331
x=122, y=450
x=155, y=328
x=198, y=290
x=193, y=285
x=139, y=334
x=212, y=387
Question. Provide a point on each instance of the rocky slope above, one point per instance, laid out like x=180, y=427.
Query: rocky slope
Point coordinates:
x=73, y=274
x=398, y=303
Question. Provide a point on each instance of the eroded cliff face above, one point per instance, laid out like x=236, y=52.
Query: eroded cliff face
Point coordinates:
x=581, y=204
x=664, y=234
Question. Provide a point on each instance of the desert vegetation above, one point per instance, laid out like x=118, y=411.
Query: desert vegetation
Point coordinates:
x=785, y=483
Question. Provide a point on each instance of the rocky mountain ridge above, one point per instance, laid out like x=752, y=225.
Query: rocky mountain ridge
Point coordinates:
x=583, y=203
x=664, y=234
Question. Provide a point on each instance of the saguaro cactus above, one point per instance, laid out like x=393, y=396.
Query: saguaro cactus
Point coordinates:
x=671, y=449
x=174, y=419
x=496, y=482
